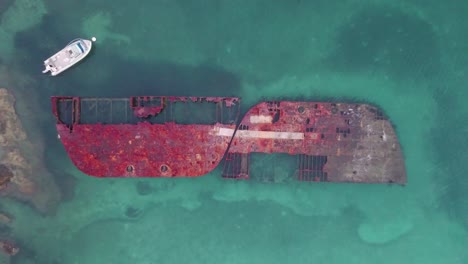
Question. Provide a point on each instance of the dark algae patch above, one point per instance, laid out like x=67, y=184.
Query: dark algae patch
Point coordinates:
x=386, y=39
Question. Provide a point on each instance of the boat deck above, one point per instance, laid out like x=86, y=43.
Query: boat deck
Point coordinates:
x=67, y=57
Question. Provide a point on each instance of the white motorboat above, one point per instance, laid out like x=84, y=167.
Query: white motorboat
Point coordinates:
x=74, y=52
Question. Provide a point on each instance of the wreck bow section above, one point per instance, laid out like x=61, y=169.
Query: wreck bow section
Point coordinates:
x=153, y=136
x=332, y=142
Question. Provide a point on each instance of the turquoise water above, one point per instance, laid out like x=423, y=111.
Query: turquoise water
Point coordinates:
x=408, y=57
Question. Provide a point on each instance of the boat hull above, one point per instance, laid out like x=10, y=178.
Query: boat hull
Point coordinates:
x=73, y=53
x=332, y=142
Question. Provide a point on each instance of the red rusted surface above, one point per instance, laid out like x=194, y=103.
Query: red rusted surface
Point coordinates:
x=155, y=137
x=331, y=141
x=163, y=149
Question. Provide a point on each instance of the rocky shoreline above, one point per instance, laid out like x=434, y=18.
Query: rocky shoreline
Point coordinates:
x=23, y=174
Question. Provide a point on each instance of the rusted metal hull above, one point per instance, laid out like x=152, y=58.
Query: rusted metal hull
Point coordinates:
x=162, y=136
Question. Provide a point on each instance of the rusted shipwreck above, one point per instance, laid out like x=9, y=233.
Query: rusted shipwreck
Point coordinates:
x=167, y=136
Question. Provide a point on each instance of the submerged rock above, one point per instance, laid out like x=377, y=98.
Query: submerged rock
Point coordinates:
x=23, y=175
x=8, y=247
x=5, y=176
x=5, y=219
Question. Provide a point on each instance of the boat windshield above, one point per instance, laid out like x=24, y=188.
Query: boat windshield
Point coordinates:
x=80, y=47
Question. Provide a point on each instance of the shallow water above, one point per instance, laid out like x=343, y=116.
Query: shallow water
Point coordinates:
x=408, y=57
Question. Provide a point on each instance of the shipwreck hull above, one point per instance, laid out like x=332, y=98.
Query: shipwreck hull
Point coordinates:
x=159, y=136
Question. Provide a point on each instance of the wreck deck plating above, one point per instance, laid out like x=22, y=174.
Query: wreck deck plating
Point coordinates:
x=158, y=136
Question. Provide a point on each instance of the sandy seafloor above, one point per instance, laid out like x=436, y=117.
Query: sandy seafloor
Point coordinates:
x=408, y=57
